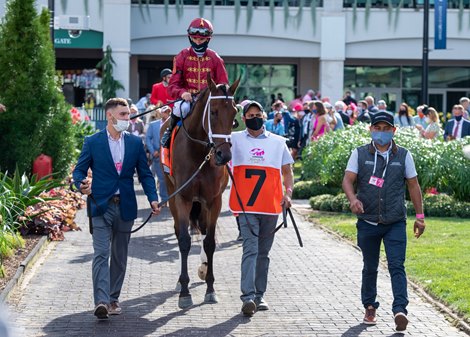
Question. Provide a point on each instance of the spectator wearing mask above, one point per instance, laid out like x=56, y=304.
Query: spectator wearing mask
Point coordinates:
x=457, y=127
x=351, y=111
x=294, y=130
x=348, y=99
x=420, y=118
x=276, y=107
x=433, y=128
x=136, y=125
x=308, y=96
x=276, y=125
x=363, y=113
x=403, y=118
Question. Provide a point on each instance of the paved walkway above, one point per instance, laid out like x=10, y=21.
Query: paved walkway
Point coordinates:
x=312, y=291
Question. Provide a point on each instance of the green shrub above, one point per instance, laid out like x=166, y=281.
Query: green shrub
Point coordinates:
x=340, y=203
x=38, y=121
x=439, y=164
x=439, y=205
x=322, y=202
x=307, y=189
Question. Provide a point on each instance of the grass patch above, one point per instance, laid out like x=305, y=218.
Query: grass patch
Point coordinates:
x=297, y=170
x=439, y=261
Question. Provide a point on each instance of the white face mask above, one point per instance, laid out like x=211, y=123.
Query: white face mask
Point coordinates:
x=122, y=125
x=428, y=120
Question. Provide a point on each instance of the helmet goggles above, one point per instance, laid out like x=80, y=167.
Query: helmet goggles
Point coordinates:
x=199, y=32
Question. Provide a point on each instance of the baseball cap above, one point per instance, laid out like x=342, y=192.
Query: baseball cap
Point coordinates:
x=327, y=105
x=382, y=116
x=297, y=107
x=249, y=104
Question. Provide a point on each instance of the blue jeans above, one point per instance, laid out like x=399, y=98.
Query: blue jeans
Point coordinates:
x=255, y=259
x=369, y=239
x=157, y=170
x=107, y=275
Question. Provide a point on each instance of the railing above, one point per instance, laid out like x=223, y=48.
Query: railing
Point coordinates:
x=98, y=117
x=244, y=3
x=453, y=4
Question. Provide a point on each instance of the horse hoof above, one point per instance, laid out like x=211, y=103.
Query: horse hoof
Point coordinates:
x=202, y=271
x=178, y=287
x=211, y=298
x=185, y=302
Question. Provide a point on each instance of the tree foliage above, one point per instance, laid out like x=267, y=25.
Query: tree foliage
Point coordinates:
x=37, y=120
x=109, y=85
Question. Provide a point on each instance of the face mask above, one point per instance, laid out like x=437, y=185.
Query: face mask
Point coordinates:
x=349, y=112
x=301, y=113
x=255, y=123
x=458, y=118
x=199, y=48
x=428, y=120
x=121, y=125
x=402, y=112
x=382, y=138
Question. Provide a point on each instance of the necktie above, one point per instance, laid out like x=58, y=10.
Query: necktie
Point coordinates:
x=456, y=130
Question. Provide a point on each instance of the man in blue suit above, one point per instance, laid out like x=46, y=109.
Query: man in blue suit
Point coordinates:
x=457, y=127
x=152, y=140
x=113, y=155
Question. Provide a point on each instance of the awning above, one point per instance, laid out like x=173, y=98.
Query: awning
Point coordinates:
x=89, y=39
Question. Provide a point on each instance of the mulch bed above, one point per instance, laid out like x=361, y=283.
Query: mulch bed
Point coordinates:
x=12, y=263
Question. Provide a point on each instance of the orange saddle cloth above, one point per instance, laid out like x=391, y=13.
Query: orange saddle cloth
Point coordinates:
x=166, y=155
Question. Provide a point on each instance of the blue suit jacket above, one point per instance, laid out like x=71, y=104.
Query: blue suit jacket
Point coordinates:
x=152, y=138
x=106, y=181
x=450, y=126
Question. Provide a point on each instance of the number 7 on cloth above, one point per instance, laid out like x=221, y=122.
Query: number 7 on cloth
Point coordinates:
x=260, y=189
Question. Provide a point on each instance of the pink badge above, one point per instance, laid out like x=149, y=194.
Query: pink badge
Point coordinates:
x=376, y=181
x=118, y=166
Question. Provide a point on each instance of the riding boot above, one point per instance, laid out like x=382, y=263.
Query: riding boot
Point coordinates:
x=167, y=134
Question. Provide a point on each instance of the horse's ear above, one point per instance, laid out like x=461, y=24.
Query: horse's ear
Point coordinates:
x=210, y=82
x=234, y=86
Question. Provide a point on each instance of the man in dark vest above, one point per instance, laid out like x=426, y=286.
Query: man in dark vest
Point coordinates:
x=380, y=170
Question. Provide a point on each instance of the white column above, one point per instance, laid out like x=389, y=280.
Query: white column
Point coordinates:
x=117, y=34
x=332, y=55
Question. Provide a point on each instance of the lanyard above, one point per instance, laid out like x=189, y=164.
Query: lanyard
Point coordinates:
x=375, y=160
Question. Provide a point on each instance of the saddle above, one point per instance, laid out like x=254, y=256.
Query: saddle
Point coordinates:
x=166, y=155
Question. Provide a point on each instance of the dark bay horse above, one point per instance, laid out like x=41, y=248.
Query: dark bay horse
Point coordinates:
x=205, y=132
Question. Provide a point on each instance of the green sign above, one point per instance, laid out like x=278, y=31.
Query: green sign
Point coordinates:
x=89, y=39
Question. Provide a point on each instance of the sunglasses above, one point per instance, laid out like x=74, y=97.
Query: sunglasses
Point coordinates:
x=201, y=31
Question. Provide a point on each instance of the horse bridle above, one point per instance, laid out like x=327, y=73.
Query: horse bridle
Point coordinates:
x=210, y=134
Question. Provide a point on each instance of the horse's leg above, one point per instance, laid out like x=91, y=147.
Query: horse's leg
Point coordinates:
x=202, y=270
x=209, y=247
x=184, y=244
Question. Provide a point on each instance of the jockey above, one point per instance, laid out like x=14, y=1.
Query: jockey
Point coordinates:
x=190, y=68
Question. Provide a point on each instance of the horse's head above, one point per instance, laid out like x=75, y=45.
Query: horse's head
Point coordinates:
x=221, y=114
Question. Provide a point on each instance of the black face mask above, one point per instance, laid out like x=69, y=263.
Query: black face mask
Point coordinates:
x=458, y=118
x=199, y=48
x=254, y=124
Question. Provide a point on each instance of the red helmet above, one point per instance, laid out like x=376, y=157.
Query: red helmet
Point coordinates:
x=201, y=28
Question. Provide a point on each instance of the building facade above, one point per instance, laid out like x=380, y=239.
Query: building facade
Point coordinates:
x=277, y=46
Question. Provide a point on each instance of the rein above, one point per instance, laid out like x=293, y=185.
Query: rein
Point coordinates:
x=284, y=215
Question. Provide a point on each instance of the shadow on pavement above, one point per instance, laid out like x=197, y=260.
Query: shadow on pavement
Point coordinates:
x=132, y=321
x=355, y=331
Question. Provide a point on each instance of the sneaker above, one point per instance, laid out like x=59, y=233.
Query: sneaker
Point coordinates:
x=261, y=304
x=401, y=321
x=248, y=308
x=369, y=317
x=101, y=311
x=115, y=308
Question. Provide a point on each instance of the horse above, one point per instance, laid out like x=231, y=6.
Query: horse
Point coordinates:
x=203, y=136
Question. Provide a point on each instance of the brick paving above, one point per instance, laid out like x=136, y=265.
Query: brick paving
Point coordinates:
x=312, y=291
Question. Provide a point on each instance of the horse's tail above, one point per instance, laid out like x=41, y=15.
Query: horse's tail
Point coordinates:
x=194, y=217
